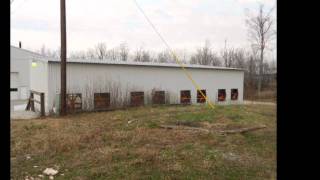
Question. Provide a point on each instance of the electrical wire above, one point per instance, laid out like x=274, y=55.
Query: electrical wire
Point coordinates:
x=174, y=55
x=23, y=1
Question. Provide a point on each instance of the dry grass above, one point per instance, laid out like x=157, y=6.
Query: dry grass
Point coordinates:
x=104, y=145
x=265, y=96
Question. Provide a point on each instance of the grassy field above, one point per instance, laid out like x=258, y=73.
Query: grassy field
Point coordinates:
x=265, y=96
x=129, y=144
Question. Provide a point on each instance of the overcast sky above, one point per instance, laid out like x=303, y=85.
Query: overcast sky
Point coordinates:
x=185, y=24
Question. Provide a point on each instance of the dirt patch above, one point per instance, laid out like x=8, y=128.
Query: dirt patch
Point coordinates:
x=16, y=115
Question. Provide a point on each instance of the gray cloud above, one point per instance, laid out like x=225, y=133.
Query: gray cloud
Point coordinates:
x=185, y=24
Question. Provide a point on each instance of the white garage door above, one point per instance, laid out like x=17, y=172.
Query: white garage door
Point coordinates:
x=14, y=81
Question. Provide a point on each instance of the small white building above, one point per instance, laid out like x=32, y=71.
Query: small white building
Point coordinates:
x=20, y=66
x=102, y=83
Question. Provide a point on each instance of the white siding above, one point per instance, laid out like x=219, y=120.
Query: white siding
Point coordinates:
x=14, y=83
x=143, y=78
x=39, y=81
x=14, y=79
x=20, y=62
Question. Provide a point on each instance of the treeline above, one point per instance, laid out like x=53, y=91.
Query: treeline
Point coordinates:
x=206, y=55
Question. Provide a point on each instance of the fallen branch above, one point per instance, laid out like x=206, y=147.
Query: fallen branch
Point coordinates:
x=131, y=121
x=184, y=128
x=243, y=130
x=233, y=131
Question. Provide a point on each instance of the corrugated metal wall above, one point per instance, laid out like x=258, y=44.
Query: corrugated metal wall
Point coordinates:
x=89, y=78
x=39, y=81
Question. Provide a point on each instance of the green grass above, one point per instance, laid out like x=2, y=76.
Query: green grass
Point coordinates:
x=103, y=145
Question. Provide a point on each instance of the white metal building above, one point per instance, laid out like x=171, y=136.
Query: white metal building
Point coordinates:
x=20, y=65
x=121, y=78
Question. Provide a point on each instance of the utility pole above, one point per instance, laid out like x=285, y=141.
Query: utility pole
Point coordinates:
x=63, y=57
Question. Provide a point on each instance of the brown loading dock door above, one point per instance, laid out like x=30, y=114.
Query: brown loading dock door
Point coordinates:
x=74, y=102
x=137, y=98
x=234, y=94
x=101, y=101
x=200, y=98
x=158, y=97
x=185, y=97
x=221, y=95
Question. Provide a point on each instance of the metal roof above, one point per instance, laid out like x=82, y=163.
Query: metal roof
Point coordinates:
x=150, y=64
x=28, y=51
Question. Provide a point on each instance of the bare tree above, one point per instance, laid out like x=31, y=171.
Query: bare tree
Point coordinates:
x=183, y=56
x=205, y=56
x=273, y=66
x=142, y=55
x=261, y=32
x=78, y=55
x=138, y=55
x=113, y=54
x=146, y=56
x=90, y=54
x=250, y=76
x=239, y=57
x=48, y=52
x=227, y=55
x=124, y=52
x=164, y=57
x=101, y=50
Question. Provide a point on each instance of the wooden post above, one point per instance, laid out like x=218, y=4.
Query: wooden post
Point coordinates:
x=29, y=103
x=32, y=102
x=42, y=104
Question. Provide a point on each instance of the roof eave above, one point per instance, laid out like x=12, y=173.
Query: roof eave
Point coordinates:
x=153, y=65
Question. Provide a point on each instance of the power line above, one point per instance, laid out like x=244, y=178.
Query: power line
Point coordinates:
x=23, y=1
x=174, y=55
